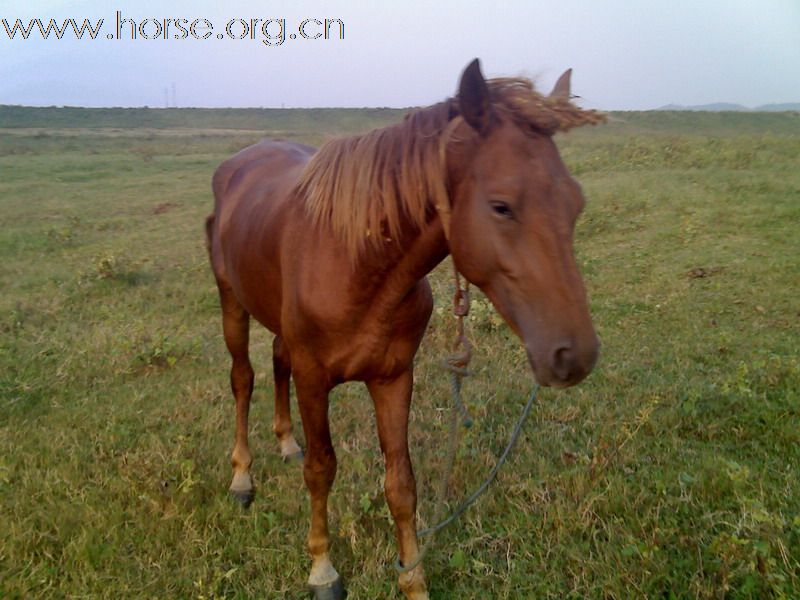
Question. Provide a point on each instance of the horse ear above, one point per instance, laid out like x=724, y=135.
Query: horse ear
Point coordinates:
x=562, y=87
x=473, y=97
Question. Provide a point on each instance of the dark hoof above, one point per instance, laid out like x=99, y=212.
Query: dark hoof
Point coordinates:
x=296, y=457
x=244, y=497
x=333, y=591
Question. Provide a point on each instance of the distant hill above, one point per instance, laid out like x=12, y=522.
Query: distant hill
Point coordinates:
x=730, y=107
x=779, y=107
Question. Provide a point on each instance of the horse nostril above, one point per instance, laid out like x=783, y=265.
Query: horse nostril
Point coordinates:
x=563, y=362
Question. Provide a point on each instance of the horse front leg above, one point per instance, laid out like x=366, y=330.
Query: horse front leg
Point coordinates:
x=319, y=471
x=392, y=402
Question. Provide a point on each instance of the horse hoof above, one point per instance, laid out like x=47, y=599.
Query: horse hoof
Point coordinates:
x=331, y=591
x=294, y=457
x=244, y=497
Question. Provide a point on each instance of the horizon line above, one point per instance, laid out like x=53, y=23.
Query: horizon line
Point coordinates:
x=669, y=107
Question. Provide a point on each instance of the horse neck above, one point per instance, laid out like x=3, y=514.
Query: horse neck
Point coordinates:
x=397, y=270
x=427, y=249
x=418, y=250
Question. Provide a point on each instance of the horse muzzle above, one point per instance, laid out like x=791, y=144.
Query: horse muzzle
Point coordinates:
x=564, y=364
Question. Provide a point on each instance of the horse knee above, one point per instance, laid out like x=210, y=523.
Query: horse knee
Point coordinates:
x=319, y=469
x=400, y=488
x=320, y=464
x=281, y=363
x=242, y=378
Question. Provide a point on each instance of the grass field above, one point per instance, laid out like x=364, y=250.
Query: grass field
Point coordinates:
x=672, y=472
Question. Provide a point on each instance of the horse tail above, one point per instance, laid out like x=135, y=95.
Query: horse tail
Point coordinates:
x=219, y=185
x=209, y=231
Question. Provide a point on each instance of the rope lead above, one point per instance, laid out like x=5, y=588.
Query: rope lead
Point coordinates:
x=457, y=364
x=459, y=408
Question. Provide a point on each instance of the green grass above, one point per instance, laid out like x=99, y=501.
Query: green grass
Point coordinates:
x=672, y=472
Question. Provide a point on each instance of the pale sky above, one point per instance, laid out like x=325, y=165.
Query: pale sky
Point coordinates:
x=626, y=54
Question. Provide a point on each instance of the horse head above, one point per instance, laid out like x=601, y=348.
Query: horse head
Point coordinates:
x=512, y=214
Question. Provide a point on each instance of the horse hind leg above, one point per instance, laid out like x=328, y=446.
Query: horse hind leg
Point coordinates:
x=236, y=328
x=282, y=422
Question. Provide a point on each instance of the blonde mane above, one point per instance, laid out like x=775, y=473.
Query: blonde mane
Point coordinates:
x=365, y=187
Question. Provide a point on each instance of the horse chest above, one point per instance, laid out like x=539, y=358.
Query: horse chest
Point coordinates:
x=379, y=343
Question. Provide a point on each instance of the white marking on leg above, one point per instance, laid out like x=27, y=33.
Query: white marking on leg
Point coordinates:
x=241, y=482
x=322, y=571
x=412, y=584
x=289, y=446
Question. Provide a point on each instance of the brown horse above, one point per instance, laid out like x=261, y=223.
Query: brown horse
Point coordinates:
x=330, y=250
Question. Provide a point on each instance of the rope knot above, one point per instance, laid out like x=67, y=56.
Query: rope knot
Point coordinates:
x=461, y=302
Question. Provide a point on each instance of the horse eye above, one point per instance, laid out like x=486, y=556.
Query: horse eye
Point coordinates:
x=502, y=209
